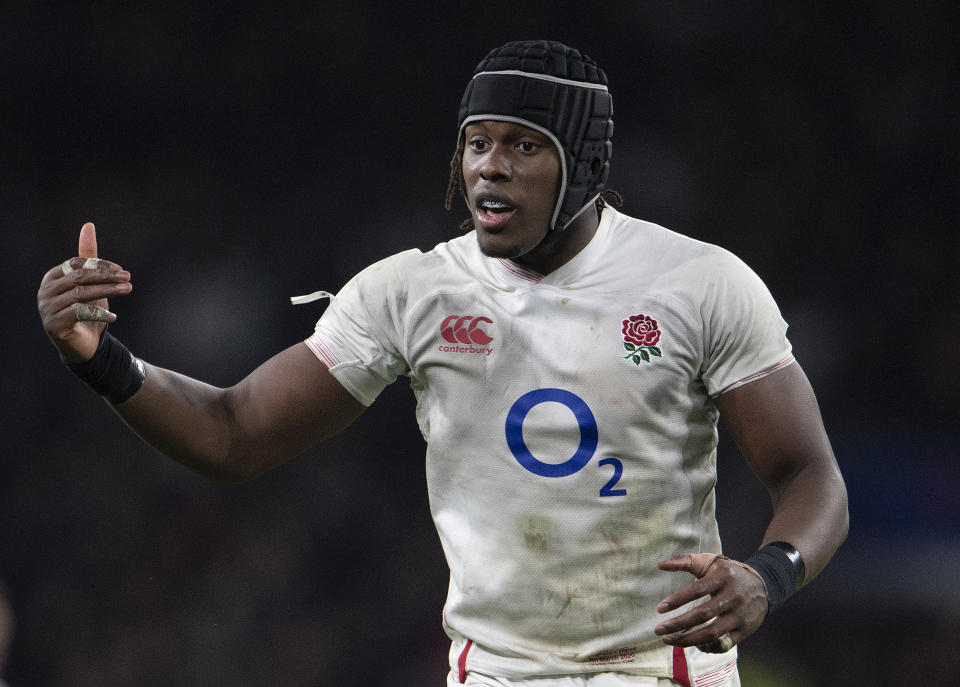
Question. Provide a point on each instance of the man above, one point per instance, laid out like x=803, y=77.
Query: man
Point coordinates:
x=570, y=364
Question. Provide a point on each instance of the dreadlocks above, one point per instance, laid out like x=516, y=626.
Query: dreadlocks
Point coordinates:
x=455, y=184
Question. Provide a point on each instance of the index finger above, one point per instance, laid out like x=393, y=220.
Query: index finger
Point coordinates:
x=81, y=263
x=696, y=564
x=104, y=267
x=83, y=270
x=697, y=589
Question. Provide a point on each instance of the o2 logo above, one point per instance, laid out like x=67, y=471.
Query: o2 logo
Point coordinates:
x=589, y=436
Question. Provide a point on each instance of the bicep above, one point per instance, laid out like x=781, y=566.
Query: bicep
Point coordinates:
x=287, y=405
x=776, y=423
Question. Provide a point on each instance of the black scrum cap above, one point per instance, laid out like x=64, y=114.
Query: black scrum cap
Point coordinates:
x=560, y=92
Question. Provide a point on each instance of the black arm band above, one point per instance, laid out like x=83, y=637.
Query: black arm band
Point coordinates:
x=112, y=372
x=782, y=570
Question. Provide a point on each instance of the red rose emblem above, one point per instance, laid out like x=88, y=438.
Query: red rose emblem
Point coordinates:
x=641, y=334
x=641, y=330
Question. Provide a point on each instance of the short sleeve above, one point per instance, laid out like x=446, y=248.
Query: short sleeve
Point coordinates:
x=359, y=336
x=745, y=336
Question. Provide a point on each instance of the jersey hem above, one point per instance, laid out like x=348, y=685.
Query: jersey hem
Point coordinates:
x=698, y=668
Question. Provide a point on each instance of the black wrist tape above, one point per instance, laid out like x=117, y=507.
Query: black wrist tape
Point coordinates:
x=782, y=570
x=113, y=371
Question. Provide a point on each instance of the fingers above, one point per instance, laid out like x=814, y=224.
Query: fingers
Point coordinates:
x=696, y=564
x=82, y=279
x=87, y=264
x=77, y=289
x=84, y=269
x=720, y=645
x=712, y=627
x=61, y=323
x=712, y=639
x=92, y=313
x=85, y=281
x=62, y=313
x=88, y=241
x=698, y=615
x=735, y=609
x=73, y=298
x=59, y=295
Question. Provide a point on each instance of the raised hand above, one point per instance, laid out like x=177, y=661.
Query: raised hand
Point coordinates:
x=737, y=605
x=72, y=300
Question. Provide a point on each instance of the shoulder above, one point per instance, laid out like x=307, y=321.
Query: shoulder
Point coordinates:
x=672, y=255
x=398, y=271
x=406, y=278
x=393, y=265
x=414, y=261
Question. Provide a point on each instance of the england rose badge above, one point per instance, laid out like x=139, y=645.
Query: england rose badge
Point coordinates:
x=641, y=334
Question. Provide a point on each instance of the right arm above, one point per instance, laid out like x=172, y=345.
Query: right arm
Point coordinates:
x=284, y=407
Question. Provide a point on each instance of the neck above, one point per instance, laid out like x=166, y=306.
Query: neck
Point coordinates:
x=560, y=246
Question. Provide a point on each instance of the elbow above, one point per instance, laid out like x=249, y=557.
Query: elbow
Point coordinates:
x=223, y=469
x=835, y=511
x=843, y=518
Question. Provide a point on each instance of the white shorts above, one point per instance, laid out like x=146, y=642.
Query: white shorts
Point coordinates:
x=594, y=680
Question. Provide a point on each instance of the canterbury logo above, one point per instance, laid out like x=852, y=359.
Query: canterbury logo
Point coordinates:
x=465, y=329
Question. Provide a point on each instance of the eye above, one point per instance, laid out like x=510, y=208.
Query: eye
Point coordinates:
x=477, y=145
x=528, y=146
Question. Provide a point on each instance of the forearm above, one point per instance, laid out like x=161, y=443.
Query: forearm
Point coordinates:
x=810, y=512
x=187, y=420
x=287, y=405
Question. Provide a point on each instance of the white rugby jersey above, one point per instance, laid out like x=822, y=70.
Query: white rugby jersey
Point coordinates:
x=570, y=429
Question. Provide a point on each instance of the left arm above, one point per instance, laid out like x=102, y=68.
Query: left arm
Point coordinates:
x=776, y=424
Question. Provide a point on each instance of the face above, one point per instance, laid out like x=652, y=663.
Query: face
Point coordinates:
x=512, y=180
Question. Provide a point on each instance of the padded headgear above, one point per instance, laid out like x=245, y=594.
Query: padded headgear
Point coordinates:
x=561, y=93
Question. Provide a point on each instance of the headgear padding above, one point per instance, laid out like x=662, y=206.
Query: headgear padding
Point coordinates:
x=560, y=92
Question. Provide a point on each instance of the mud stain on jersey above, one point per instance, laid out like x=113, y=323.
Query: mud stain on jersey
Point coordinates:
x=535, y=531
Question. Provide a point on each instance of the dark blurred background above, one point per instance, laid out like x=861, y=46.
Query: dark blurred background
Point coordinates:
x=235, y=154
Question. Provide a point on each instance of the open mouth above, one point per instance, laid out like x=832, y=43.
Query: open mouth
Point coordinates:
x=492, y=213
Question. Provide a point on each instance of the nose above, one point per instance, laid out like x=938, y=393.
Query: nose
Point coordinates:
x=495, y=165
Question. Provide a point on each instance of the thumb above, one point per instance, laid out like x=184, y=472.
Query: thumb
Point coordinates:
x=696, y=564
x=88, y=241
